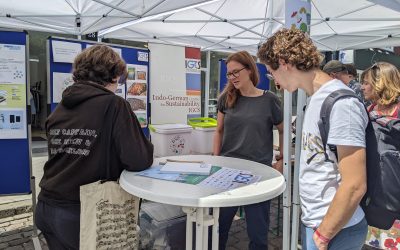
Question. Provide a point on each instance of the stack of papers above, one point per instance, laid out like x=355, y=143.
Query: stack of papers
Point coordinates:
x=186, y=168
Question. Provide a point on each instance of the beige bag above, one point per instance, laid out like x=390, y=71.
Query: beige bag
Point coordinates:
x=108, y=217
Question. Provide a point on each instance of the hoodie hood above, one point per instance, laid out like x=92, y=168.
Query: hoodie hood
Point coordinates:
x=80, y=92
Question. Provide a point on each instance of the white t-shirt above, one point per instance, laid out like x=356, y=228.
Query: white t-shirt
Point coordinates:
x=319, y=180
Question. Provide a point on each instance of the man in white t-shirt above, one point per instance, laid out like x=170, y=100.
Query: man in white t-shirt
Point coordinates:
x=330, y=191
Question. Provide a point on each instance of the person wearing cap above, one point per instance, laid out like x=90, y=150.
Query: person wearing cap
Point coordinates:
x=345, y=73
x=335, y=69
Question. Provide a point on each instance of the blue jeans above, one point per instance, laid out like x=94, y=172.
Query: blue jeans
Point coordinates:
x=59, y=225
x=257, y=220
x=350, y=238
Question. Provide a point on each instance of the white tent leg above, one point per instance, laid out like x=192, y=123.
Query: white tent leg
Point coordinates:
x=287, y=169
x=301, y=101
x=207, y=87
x=215, y=229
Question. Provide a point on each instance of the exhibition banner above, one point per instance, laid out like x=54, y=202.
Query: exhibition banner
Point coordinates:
x=175, y=92
x=15, y=174
x=12, y=92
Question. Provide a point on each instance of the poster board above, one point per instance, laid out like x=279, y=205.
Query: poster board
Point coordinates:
x=14, y=140
x=61, y=56
x=263, y=83
x=175, y=92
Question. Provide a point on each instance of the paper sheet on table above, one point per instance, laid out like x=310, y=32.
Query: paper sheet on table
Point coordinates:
x=186, y=168
x=229, y=178
x=221, y=178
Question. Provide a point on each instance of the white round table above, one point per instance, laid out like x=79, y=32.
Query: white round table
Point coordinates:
x=197, y=201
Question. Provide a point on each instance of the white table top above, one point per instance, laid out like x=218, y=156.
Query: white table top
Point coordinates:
x=271, y=184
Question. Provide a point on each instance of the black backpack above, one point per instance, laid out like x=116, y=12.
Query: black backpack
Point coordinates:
x=381, y=203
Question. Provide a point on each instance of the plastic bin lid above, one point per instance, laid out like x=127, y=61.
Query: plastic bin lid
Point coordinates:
x=202, y=122
x=170, y=128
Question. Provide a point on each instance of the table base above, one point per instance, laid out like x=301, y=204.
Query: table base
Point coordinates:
x=203, y=219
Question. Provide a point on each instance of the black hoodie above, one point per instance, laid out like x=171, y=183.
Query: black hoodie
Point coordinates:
x=78, y=130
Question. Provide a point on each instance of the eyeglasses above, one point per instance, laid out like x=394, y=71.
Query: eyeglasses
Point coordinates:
x=234, y=73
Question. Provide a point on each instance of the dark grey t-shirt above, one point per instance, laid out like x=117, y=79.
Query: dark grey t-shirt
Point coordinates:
x=248, y=127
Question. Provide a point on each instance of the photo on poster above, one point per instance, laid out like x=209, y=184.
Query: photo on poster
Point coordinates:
x=12, y=95
x=136, y=88
x=137, y=103
x=121, y=90
x=12, y=124
x=61, y=81
x=137, y=72
x=142, y=118
x=141, y=75
x=12, y=64
x=131, y=72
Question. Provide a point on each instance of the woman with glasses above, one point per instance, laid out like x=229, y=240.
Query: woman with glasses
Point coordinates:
x=246, y=116
x=330, y=189
x=381, y=86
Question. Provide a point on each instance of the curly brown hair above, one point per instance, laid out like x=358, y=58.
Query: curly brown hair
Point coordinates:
x=294, y=47
x=385, y=80
x=244, y=58
x=99, y=64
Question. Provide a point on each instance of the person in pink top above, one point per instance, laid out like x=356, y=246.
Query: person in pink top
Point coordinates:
x=381, y=86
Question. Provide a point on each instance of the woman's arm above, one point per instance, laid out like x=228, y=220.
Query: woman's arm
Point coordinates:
x=279, y=159
x=219, y=132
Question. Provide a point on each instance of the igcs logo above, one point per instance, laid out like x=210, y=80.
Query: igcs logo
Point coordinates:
x=193, y=64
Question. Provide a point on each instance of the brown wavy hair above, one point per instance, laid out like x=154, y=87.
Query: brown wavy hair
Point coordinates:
x=294, y=47
x=244, y=58
x=385, y=81
x=99, y=64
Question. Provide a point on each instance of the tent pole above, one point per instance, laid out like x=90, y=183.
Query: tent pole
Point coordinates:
x=152, y=17
x=211, y=21
x=72, y=7
x=287, y=168
x=58, y=28
x=153, y=7
x=99, y=19
x=207, y=83
x=301, y=102
x=117, y=8
x=369, y=41
x=230, y=22
x=343, y=14
x=241, y=32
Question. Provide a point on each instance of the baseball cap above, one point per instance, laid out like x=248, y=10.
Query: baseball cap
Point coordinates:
x=334, y=66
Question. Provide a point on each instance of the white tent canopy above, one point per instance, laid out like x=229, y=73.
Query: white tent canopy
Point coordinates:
x=62, y=16
x=226, y=25
x=240, y=24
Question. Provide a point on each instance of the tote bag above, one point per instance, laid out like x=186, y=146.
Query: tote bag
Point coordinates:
x=109, y=214
x=108, y=217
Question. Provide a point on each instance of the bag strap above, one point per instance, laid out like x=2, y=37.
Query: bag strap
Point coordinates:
x=325, y=113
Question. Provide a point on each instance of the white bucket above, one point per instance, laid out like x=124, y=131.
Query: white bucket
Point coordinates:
x=202, y=140
x=171, y=139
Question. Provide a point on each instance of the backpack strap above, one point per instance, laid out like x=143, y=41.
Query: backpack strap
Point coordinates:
x=325, y=113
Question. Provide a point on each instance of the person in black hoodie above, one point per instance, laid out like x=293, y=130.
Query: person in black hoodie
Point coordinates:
x=77, y=136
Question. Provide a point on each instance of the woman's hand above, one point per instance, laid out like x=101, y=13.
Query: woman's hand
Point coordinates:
x=278, y=165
